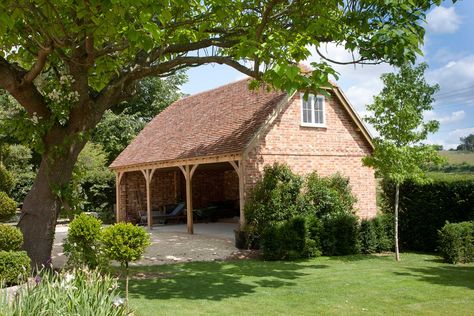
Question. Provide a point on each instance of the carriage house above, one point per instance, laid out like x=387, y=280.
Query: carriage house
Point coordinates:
x=205, y=152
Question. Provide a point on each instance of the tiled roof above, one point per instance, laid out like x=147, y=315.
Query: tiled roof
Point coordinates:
x=215, y=122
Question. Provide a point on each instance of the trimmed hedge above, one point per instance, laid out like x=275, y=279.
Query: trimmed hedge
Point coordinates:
x=7, y=207
x=14, y=267
x=288, y=240
x=376, y=234
x=456, y=242
x=339, y=236
x=425, y=208
x=11, y=238
x=6, y=179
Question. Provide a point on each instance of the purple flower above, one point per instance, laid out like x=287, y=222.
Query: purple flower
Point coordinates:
x=37, y=279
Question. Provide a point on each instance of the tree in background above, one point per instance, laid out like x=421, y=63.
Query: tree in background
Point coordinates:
x=399, y=153
x=467, y=143
x=68, y=62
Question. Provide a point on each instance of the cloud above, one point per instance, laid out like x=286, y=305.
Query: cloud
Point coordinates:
x=443, y=20
x=453, y=117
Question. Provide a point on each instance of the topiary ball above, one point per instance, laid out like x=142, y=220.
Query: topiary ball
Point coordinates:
x=7, y=207
x=11, y=238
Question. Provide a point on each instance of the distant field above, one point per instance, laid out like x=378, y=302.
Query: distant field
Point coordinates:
x=458, y=157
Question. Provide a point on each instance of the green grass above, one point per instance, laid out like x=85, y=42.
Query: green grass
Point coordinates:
x=419, y=284
x=458, y=157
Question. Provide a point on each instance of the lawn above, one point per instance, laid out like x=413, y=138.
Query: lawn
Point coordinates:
x=419, y=284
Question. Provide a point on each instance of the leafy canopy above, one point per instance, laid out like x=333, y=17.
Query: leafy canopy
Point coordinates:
x=398, y=117
x=65, y=60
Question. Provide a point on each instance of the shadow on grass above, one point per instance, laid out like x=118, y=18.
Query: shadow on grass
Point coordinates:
x=448, y=275
x=360, y=257
x=216, y=280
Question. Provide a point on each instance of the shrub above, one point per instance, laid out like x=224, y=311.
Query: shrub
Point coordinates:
x=11, y=238
x=340, y=235
x=288, y=240
x=376, y=234
x=14, y=267
x=82, y=245
x=125, y=242
x=368, y=239
x=384, y=226
x=273, y=199
x=79, y=292
x=425, y=208
x=327, y=195
x=6, y=180
x=456, y=242
x=7, y=207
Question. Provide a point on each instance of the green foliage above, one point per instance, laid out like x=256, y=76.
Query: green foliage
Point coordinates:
x=76, y=292
x=274, y=198
x=397, y=116
x=125, y=242
x=426, y=207
x=83, y=242
x=368, y=240
x=14, y=267
x=467, y=143
x=92, y=182
x=327, y=195
x=6, y=179
x=7, y=207
x=456, y=242
x=11, y=238
x=288, y=240
x=376, y=234
x=340, y=235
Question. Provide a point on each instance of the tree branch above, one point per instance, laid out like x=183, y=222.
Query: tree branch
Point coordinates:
x=362, y=61
x=39, y=64
x=11, y=79
x=116, y=90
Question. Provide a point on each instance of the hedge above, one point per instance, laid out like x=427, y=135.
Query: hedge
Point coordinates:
x=14, y=267
x=425, y=208
x=456, y=242
x=288, y=240
x=7, y=207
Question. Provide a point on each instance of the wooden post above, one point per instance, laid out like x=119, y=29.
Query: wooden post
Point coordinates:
x=238, y=167
x=147, y=173
x=188, y=176
x=118, y=180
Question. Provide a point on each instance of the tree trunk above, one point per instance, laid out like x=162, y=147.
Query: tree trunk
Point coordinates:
x=397, y=194
x=42, y=204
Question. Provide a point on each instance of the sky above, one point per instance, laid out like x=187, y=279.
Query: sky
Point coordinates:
x=448, y=49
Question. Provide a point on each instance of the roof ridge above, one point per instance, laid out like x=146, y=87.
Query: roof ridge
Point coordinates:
x=213, y=89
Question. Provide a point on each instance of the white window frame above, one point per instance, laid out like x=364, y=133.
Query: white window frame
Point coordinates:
x=312, y=123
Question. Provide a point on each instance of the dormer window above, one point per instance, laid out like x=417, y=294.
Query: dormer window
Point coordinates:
x=312, y=111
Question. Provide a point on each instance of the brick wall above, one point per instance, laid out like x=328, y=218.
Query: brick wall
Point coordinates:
x=337, y=148
x=165, y=189
x=209, y=186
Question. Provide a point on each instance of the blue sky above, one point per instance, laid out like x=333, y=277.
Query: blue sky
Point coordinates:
x=448, y=50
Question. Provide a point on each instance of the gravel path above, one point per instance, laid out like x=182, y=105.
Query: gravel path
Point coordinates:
x=213, y=241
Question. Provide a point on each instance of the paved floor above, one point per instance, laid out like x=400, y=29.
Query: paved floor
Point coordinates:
x=171, y=243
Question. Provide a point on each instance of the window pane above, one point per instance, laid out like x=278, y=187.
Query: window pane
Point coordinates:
x=307, y=111
x=318, y=111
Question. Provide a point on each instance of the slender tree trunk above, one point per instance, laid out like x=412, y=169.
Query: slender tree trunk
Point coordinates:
x=42, y=205
x=397, y=195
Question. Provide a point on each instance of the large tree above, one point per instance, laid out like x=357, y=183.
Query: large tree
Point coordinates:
x=66, y=62
x=467, y=143
x=397, y=116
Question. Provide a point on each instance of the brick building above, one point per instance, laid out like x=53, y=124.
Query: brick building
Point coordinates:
x=211, y=148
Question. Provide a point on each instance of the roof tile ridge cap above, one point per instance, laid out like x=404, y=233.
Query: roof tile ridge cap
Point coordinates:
x=213, y=89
